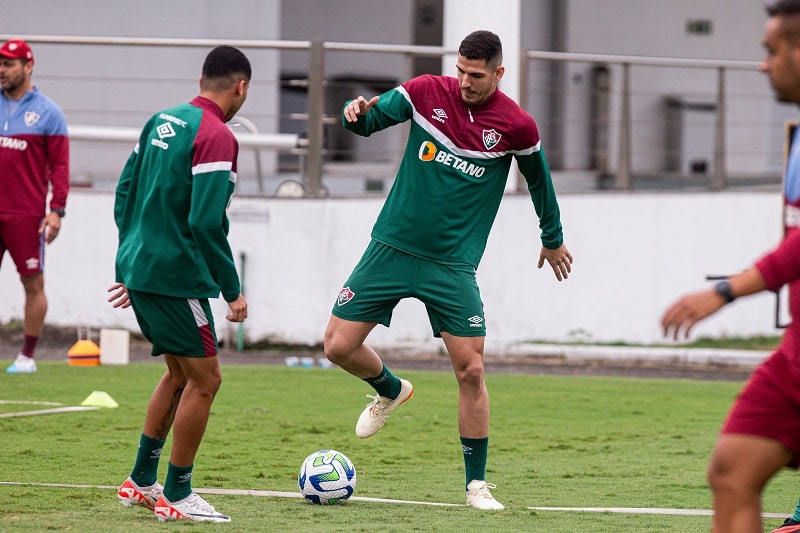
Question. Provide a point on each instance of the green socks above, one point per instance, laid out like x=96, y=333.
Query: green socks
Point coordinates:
x=385, y=384
x=178, y=484
x=475, y=452
x=145, y=470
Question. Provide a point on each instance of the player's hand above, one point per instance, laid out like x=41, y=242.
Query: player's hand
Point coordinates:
x=238, y=310
x=119, y=298
x=51, y=225
x=688, y=311
x=560, y=261
x=359, y=106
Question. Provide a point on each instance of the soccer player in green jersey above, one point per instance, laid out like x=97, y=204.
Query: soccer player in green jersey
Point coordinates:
x=173, y=256
x=432, y=231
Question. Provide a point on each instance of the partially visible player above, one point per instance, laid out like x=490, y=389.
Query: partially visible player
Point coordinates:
x=173, y=256
x=34, y=161
x=761, y=434
x=432, y=232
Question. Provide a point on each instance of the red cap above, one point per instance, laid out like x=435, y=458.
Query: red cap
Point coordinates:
x=16, y=49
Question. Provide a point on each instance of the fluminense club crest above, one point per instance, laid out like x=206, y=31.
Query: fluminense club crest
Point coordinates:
x=31, y=118
x=345, y=295
x=491, y=138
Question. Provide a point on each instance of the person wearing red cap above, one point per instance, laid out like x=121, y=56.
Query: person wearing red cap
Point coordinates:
x=34, y=161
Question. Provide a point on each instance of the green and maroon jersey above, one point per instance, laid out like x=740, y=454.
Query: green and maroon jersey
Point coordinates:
x=171, y=205
x=454, y=171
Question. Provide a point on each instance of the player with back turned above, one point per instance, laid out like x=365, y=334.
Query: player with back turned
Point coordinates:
x=173, y=256
x=432, y=231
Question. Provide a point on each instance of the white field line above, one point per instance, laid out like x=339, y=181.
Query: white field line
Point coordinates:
x=643, y=510
x=55, y=410
x=280, y=494
x=27, y=402
x=236, y=492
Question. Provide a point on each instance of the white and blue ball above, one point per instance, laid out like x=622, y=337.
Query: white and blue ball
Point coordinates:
x=327, y=477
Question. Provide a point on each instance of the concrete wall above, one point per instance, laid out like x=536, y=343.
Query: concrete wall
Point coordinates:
x=633, y=254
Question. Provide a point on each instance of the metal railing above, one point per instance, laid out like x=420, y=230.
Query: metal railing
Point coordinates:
x=253, y=139
x=313, y=147
x=623, y=176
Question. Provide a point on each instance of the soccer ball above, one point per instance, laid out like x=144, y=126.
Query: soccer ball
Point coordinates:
x=327, y=477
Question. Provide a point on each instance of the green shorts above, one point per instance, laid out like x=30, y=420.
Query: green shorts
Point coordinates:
x=175, y=326
x=386, y=275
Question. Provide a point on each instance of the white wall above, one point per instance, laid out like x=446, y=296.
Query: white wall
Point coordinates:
x=633, y=254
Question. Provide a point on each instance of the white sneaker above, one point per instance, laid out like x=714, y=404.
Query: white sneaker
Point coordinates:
x=22, y=365
x=478, y=496
x=377, y=412
x=192, y=507
x=132, y=494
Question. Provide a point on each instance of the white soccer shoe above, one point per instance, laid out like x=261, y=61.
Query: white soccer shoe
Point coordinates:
x=22, y=365
x=132, y=494
x=377, y=412
x=478, y=496
x=192, y=507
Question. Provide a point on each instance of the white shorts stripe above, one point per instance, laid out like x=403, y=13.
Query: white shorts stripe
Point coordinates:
x=199, y=316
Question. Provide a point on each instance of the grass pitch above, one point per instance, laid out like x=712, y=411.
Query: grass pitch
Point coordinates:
x=555, y=442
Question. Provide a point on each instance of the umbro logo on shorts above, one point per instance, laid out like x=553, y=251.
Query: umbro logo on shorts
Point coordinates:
x=345, y=295
x=475, y=322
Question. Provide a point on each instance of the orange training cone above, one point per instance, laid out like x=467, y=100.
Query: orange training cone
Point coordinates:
x=84, y=353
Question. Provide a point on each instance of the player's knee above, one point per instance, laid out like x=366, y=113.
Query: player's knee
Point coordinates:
x=333, y=349
x=334, y=346
x=208, y=388
x=471, y=375
x=724, y=480
x=33, y=285
x=714, y=475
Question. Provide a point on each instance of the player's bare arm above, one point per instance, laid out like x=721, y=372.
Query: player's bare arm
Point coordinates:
x=559, y=259
x=359, y=106
x=681, y=316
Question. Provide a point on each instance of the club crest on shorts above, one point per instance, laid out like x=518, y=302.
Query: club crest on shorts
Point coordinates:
x=345, y=295
x=491, y=138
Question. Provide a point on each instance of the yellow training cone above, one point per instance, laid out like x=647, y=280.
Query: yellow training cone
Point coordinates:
x=100, y=399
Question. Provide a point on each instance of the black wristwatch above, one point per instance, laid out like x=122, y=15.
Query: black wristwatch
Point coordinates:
x=60, y=212
x=723, y=288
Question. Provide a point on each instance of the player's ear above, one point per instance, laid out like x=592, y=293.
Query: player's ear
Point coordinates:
x=499, y=73
x=241, y=86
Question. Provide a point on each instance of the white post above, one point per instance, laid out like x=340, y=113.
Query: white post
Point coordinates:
x=462, y=17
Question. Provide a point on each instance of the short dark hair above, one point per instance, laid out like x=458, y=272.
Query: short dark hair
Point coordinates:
x=223, y=65
x=789, y=12
x=482, y=44
x=783, y=7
